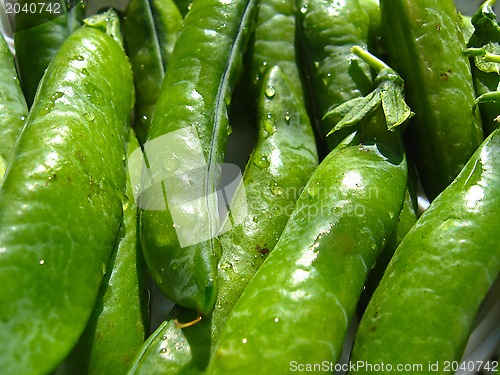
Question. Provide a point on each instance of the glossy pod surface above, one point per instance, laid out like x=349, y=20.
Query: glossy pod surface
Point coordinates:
x=39, y=35
x=191, y=116
x=61, y=201
x=327, y=32
x=406, y=220
x=425, y=46
x=282, y=162
x=13, y=110
x=119, y=323
x=151, y=29
x=278, y=169
x=309, y=285
x=273, y=44
x=427, y=300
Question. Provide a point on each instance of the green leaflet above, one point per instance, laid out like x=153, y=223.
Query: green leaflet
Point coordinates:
x=486, y=58
x=466, y=26
x=354, y=110
x=396, y=110
x=488, y=63
x=388, y=94
x=485, y=25
x=484, y=50
x=484, y=44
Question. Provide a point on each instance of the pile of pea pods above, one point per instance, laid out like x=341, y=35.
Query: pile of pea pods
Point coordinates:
x=119, y=172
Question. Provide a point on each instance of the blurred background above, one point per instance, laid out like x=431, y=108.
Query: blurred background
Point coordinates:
x=469, y=6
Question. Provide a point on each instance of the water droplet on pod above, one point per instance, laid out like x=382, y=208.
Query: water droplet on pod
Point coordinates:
x=88, y=116
x=261, y=162
x=270, y=92
x=276, y=189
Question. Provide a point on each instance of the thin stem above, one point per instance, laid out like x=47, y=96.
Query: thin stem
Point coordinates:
x=188, y=324
x=370, y=59
x=472, y=52
x=491, y=57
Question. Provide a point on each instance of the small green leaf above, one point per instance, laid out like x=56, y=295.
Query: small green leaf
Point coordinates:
x=355, y=110
x=396, y=110
x=388, y=93
x=466, y=26
x=493, y=96
x=482, y=62
x=485, y=25
x=343, y=109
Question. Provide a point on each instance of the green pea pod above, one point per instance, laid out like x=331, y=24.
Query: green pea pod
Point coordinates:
x=186, y=144
x=316, y=262
x=423, y=310
x=39, y=35
x=61, y=199
x=13, y=109
x=425, y=45
x=273, y=44
x=283, y=159
x=485, y=71
x=340, y=223
x=119, y=323
x=327, y=32
x=282, y=162
x=151, y=29
x=375, y=39
x=407, y=219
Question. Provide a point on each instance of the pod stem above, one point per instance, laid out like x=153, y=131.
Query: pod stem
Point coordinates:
x=374, y=62
x=481, y=52
x=188, y=324
x=491, y=57
x=388, y=93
